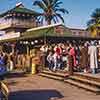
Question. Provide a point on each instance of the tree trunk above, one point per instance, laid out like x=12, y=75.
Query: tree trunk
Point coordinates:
x=48, y=21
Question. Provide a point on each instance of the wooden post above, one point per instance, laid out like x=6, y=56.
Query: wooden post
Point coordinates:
x=28, y=50
x=13, y=49
x=0, y=48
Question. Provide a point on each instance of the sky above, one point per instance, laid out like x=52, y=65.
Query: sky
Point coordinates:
x=79, y=10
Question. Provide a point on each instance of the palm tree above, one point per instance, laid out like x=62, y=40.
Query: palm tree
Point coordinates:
x=51, y=11
x=94, y=23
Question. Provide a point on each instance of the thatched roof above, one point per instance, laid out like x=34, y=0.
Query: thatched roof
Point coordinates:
x=19, y=9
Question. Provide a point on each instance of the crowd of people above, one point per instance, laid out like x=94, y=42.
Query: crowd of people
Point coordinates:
x=69, y=56
x=12, y=61
x=72, y=56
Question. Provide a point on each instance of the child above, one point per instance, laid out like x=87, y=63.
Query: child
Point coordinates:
x=50, y=60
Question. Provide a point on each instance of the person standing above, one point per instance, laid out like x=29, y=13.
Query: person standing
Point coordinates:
x=72, y=52
x=50, y=60
x=57, y=56
x=92, y=51
x=10, y=64
x=71, y=58
x=84, y=57
x=55, y=61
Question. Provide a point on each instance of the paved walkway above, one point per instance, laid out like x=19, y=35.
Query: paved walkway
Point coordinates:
x=40, y=88
x=97, y=75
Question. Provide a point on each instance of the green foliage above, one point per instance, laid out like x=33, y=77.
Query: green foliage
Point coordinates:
x=94, y=23
x=51, y=11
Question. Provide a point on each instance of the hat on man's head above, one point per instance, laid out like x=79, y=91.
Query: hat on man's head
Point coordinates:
x=92, y=43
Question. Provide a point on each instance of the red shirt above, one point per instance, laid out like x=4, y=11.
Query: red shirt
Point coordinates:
x=58, y=50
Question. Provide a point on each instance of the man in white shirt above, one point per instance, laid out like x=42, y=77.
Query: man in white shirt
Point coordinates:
x=92, y=51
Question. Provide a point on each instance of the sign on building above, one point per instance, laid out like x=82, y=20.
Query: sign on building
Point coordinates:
x=10, y=36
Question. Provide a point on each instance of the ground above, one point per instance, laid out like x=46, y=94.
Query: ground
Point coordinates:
x=35, y=87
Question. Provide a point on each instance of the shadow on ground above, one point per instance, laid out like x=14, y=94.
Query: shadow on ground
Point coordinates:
x=16, y=75
x=36, y=95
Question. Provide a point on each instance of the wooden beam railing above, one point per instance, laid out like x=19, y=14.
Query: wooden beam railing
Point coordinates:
x=4, y=91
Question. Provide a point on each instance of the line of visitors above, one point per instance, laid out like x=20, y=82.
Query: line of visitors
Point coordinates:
x=6, y=61
x=13, y=60
x=71, y=56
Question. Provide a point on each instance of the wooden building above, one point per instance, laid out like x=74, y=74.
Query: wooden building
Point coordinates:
x=18, y=19
x=22, y=29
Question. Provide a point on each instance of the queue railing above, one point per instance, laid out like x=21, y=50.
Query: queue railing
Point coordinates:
x=4, y=91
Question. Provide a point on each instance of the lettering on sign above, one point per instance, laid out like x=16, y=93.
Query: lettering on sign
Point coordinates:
x=10, y=36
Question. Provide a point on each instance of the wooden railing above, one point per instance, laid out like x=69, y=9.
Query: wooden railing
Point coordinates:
x=22, y=23
x=4, y=91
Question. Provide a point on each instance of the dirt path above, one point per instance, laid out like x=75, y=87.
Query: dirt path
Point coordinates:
x=40, y=88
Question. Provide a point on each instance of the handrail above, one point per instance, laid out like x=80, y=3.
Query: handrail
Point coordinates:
x=4, y=90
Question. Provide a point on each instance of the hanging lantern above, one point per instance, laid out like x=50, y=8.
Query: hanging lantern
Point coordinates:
x=32, y=43
x=14, y=14
x=21, y=42
x=23, y=14
x=36, y=41
x=41, y=40
x=32, y=16
x=7, y=15
x=10, y=15
x=26, y=42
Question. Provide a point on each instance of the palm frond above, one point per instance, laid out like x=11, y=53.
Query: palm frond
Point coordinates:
x=45, y=2
x=94, y=23
x=55, y=1
x=40, y=5
x=52, y=10
x=60, y=17
x=48, y=2
x=62, y=10
x=51, y=2
x=91, y=28
x=41, y=20
x=91, y=22
x=96, y=13
x=55, y=5
x=56, y=19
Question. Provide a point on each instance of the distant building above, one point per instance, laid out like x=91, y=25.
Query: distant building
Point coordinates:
x=18, y=19
x=80, y=32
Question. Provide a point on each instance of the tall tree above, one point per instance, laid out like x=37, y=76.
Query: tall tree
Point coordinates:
x=51, y=10
x=94, y=23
